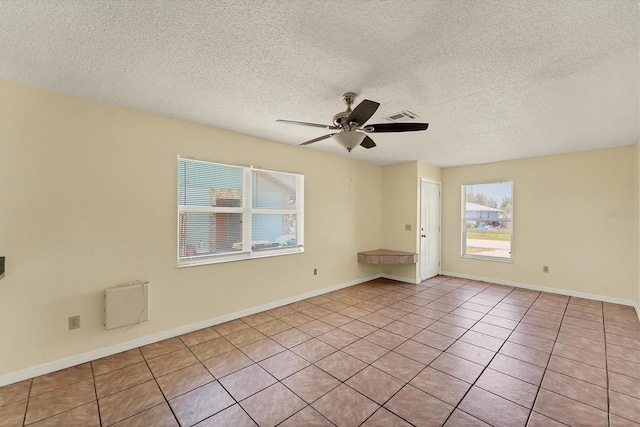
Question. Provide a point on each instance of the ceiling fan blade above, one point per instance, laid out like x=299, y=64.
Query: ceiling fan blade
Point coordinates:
x=367, y=142
x=317, y=125
x=363, y=112
x=320, y=138
x=396, y=127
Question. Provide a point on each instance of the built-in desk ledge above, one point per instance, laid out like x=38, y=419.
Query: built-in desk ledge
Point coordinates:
x=385, y=256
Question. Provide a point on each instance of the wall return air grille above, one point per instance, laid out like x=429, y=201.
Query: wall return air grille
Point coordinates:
x=126, y=305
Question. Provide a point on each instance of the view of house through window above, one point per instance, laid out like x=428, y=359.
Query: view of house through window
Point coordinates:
x=227, y=213
x=487, y=226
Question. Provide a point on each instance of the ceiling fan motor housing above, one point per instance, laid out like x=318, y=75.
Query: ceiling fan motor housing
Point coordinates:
x=340, y=119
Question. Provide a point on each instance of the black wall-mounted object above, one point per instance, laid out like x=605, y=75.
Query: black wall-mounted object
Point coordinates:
x=1, y=265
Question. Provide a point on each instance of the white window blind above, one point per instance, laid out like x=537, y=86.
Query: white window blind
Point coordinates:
x=228, y=212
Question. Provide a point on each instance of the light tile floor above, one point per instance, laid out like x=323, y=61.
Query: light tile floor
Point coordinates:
x=445, y=352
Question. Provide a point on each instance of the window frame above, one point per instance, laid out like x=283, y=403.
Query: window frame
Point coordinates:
x=247, y=212
x=463, y=212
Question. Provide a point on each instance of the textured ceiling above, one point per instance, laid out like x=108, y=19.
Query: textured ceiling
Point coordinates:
x=496, y=80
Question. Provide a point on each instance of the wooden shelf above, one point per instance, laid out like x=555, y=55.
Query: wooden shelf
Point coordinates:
x=386, y=256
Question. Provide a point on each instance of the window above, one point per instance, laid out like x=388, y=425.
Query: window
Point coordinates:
x=487, y=221
x=229, y=213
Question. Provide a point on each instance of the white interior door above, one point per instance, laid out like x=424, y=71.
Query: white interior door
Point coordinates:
x=429, y=229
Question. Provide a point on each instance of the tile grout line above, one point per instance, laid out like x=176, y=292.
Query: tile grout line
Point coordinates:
x=215, y=379
x=428, y=364
x=407, y=382
x=144, y=360
x=277, y=380
x=529, y=308
x=236, y=402
x=254, y=363
x=589, y=382
x=607, y=370
x=26, y=407
x=548, y=361
x=487, y=366
x=257, y=363
x=95, y=390
x=337, y=350
x=356, y=373
x=455, y=340
x=367, y=365
x=579, y=379
x=606, y=365
x=158, y=384
x=155, y=378
x=54, y=390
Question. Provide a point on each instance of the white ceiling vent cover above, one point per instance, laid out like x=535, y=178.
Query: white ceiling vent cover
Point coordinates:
x=126, y=305
x=402, y=115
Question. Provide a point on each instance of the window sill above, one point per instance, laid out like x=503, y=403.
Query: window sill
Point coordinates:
x=239, y=256
x=488, y=258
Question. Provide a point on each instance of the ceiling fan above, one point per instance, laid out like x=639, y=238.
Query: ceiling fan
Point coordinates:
x=351, y=128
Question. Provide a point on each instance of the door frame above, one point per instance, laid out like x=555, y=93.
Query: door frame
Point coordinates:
x=439, y=184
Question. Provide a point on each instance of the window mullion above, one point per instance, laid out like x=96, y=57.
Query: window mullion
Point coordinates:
x=463, y=204
x=300, y=209
x=246, y=210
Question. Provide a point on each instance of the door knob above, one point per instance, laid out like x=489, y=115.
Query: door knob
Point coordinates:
x=424, y=235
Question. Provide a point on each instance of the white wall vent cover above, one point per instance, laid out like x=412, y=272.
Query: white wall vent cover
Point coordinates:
x=126, y=305
x=402, y=115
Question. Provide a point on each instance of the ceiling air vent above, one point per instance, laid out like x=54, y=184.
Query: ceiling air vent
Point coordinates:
x=402, y=116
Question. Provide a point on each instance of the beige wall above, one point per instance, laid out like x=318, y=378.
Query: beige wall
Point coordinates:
x=399, y=191
x=560, y=205
x=429, y=172
x=401, y=206
x=88, y=201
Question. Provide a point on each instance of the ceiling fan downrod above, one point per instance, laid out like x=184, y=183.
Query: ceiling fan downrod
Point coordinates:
x=340, y=119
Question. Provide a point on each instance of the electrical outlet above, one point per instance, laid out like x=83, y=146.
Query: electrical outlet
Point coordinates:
x=315, y=271
x=74, y=322
x=545, y=268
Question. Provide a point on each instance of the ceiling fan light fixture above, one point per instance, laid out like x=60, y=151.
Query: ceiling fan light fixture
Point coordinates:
x=349, y=140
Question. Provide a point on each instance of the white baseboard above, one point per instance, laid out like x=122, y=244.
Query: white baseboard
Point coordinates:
x=67, y=362
x=400, y=279
x=560, y=291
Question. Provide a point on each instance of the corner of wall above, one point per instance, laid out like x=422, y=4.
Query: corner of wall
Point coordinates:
x=401, y=210
x=637, y=224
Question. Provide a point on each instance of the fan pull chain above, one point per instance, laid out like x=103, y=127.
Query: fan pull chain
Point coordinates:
x=350, y=171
